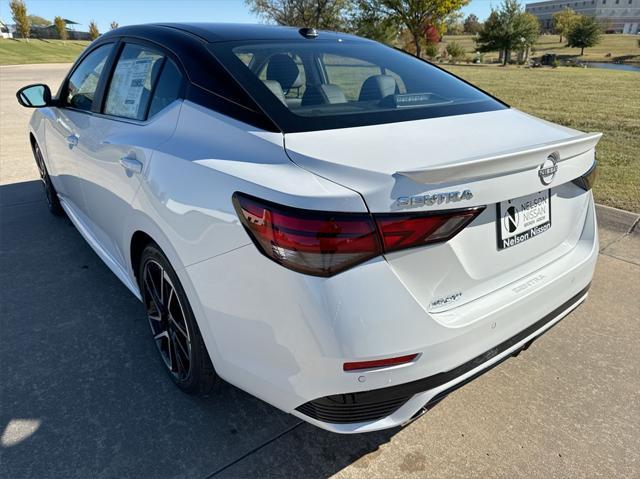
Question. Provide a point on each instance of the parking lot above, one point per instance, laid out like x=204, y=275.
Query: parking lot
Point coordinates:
x=83, y=393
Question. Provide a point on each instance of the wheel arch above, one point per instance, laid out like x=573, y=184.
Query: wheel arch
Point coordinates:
x=139, y=241
x=147, y=233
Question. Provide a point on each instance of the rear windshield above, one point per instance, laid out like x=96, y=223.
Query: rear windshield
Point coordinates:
x=315, y=85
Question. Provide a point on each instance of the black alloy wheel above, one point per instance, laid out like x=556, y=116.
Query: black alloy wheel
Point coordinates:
x=173, y=325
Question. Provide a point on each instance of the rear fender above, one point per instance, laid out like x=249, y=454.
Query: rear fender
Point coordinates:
x=139, y=221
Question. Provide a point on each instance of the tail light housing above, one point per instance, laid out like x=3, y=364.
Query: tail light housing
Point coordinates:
x=401, y=231
x=323, y=243
x=587, y=180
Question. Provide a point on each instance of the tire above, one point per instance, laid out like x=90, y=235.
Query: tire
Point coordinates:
x=53, y=202
x=173, y=326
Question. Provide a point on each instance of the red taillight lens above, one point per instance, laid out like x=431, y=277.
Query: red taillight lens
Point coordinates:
x=401, y=231
x=312, y=242
x=379, y=363
x=325, y=243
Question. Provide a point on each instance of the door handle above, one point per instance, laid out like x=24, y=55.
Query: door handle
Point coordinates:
x=72, y=140
x=131, y=164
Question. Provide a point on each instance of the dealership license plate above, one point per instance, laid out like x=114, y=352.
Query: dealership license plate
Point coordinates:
x=523, y=218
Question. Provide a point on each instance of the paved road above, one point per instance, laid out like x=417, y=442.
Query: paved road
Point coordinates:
x=14, y=149
x=84, y=395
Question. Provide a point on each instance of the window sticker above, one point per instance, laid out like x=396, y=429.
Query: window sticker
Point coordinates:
x=127, y=87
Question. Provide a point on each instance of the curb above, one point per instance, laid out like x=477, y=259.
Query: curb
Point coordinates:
x=616, y=220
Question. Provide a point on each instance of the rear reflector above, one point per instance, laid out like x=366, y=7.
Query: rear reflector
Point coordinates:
x=324, y=243
x=379, y=363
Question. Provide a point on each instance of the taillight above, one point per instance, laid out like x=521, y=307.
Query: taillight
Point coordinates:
x=587, y=180
x=312, y=242
x=401, y=231
x=324, y=243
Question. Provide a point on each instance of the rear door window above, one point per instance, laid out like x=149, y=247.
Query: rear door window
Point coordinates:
x=131, y=86
x=168, y=88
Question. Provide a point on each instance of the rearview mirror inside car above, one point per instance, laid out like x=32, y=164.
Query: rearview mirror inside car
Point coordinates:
x=34, y=96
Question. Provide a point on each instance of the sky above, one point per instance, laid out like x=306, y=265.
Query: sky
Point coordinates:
x=128, y=12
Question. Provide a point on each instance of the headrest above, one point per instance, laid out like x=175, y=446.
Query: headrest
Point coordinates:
x=377, y=87
x=283, y=69
x=326, y=94
x=276, y=89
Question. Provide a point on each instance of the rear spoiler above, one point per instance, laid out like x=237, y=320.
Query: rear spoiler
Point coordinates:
x=506, y=162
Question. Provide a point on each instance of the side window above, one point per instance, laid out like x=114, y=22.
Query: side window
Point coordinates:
x=83, y=82
x=168, y=88
x=132, y=82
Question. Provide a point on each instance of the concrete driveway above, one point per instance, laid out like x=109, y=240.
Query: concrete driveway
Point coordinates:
x=84, y=393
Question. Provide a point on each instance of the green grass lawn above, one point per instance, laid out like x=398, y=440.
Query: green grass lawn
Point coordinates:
x=617, y=45
x=17, y=52
x=588, y=100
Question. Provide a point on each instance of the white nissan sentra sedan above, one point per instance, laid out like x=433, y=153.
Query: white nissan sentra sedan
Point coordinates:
x=337, y=227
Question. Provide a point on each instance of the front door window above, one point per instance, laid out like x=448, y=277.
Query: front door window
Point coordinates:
x=83, y=82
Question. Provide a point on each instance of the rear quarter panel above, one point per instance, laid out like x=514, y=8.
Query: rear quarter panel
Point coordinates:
x=185, y=199
x=188, y=185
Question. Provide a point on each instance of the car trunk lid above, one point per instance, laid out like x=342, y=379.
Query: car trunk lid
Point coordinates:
x=495, y=159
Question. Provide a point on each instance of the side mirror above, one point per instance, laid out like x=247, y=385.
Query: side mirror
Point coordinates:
x=34, y=96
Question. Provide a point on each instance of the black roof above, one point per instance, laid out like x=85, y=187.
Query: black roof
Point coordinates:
x=224, y=32
x=209, y=83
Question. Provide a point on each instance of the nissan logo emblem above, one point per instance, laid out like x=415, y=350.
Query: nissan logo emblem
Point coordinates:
x=548, y=170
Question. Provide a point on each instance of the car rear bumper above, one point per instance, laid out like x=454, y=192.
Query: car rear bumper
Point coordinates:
x=284, y=337
x=360, y=410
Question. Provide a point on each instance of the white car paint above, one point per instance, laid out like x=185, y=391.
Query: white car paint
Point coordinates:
x=284, y=336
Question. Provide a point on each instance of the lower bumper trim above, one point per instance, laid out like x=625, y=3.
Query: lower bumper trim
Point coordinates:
x=376, y=404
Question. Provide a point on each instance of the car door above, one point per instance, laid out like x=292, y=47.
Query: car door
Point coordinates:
x=137, y=116
x=69, y=122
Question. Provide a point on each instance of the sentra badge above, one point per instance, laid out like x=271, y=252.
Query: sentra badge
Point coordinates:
x=435, y=198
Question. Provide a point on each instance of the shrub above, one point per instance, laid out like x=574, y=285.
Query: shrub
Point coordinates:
x=455, y=51
x=431, y=51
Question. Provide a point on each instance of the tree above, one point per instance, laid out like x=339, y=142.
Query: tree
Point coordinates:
x=432, y=35
x=508, y=29
x=114, y=25
x=37, y=21
x=563, y=21
x=453, y=23
x=368, y=22
x=584, y=33
x=472, y=25
x=93, y=30
x=418, y=15
x=20, y=17
x=326, y=14
x=61, y=27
